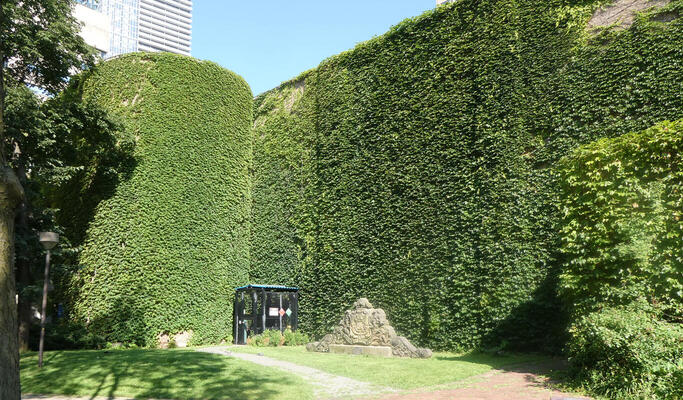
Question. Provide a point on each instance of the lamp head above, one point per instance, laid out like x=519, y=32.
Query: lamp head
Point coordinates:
x=48, y=239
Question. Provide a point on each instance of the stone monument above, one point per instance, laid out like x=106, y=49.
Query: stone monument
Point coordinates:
x=365, y=330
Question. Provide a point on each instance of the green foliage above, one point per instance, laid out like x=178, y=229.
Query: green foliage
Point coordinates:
x=622, y=221
x=274, y=338
x=296, y=338
x=419, y=169
x=41, y=39
x=623, y=279
x=259, y=340
x=625, y=353
x=271, y=337
x=163, y=250
x=64, y=335
x=63, y=148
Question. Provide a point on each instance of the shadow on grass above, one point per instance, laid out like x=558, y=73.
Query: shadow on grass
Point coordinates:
x=155, y=374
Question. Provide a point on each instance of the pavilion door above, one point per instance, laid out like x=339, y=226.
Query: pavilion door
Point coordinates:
x=246, y=321
x=281, y=311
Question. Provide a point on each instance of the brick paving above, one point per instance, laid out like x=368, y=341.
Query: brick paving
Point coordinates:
x=519, y=383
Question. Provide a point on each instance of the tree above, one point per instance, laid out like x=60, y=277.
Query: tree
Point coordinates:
x=39, y=46
x=75, y=152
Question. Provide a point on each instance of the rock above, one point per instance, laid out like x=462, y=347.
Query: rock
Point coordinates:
x=364, y=325
x=362, y=303
x=180, y=339
x=183, y=338
x=401, y=347
x=164, y=340
x=424, y=353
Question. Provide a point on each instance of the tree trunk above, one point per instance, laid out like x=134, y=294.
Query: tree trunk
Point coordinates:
x=25, y=278
x=11, y=194
x=23, y=267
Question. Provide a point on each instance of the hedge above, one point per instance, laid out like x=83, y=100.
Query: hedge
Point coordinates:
x=419, y=168
x=164, y=251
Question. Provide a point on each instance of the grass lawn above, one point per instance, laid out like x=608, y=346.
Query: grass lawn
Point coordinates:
x=160, y=374
x=400, y=373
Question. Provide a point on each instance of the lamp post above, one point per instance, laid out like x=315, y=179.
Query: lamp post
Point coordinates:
x=49, y=240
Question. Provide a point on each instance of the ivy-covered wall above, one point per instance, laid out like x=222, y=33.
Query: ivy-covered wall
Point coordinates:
x=419, y=169
x=164, y=252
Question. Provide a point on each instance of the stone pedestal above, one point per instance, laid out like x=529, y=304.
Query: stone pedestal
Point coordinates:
x=365, y=330
x=380, y=351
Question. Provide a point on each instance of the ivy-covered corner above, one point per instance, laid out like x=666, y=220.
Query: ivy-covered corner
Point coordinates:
x=162, y=254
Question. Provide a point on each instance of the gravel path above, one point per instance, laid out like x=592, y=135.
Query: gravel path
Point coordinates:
x=324, y=385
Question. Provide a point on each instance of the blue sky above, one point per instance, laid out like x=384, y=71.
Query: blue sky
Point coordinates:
x=271, y=41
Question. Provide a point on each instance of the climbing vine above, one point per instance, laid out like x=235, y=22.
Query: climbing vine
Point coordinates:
x=420, y=168
x=163, y=252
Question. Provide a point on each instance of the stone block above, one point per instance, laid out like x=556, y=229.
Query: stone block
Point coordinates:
x=379, y=351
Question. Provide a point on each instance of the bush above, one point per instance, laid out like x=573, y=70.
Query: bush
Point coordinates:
x=64, y=335
x=259, y=340
x=274, y=338
x=295, y=338
x=625, y=352
x=623, y=279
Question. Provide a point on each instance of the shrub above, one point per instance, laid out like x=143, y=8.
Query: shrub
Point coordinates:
x=259, y=340
x=274, y=337
x=624, y=352
x=64, y=335
x=165, y=250
x=296, y=338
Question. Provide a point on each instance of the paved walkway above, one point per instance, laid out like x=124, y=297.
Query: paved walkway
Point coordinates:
x=325, y=385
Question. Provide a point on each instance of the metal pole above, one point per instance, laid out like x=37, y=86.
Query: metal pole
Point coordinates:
x=43, y=314
x=263, y=309
x=278, y=312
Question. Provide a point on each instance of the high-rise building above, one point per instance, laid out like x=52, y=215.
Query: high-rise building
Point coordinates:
x=137, y=25
x=165, y=25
